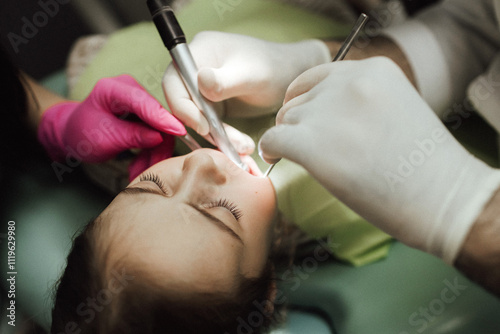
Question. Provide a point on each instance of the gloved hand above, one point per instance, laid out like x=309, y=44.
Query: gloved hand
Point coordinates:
x=95, y=130
x=248, y=74
x=363, y=132
x=151, y=156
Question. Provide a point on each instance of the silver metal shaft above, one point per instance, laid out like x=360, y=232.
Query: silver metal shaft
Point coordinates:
x=358, y=26
x=185, y=65
x=190, y=142
x=269, y=169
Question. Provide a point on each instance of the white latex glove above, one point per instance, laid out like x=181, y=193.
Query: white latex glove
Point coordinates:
x=363, y=131
x=250, y=75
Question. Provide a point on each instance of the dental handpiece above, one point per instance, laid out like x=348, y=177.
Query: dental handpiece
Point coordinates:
x=174, y=39
x=360, y=23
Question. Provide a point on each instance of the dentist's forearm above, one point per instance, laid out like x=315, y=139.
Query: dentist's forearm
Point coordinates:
x=39, y=99
x=378, y=46
x=479, y=258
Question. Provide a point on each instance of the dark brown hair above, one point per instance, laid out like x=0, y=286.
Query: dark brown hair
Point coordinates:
x=14, y=100
x=145, y=306
x=16, y=136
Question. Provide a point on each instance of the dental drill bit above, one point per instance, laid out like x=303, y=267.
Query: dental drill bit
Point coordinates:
x=358, y=26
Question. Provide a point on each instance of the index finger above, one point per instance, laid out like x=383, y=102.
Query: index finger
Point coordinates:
x=181, y=104
x=128, y=94
x=305, y=82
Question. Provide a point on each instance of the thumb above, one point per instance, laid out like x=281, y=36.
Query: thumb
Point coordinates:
x=280, y=142
x=218, y=84
x=152, y=156
x=242, y=142
x=181, y=104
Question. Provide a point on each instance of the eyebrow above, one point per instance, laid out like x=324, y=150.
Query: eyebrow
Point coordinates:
x=216, y=221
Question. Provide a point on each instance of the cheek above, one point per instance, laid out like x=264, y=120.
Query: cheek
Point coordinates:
x=259, y=204
x=267, y=198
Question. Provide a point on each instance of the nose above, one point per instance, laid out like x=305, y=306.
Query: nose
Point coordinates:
x=201, y=176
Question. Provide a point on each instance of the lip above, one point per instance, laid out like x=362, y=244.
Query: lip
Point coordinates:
x=253, y=169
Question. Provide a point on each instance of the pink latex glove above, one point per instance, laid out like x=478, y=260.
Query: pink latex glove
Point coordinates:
x=94, y=130
x=150, y=157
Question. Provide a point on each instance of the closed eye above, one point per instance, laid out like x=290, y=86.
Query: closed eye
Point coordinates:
x=156, y=180
x=131, y=191
x=224, y=203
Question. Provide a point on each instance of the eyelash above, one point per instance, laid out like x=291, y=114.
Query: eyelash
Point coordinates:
x=231, y=207
x=155, y=179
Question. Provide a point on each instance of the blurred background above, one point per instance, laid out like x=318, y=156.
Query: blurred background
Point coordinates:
x=39, y=33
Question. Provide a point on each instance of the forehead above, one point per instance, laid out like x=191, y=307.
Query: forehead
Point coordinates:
x=171, y=240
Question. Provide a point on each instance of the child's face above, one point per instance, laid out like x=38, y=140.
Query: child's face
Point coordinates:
x=196, y=220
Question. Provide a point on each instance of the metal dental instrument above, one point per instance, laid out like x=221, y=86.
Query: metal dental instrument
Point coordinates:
x=358, y=26
x=190, y=142
x=360, y=23
x=174, y=39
